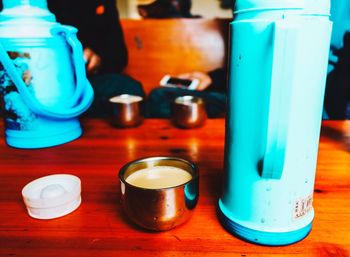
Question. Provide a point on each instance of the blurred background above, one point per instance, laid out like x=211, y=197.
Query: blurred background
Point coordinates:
x=204, y=8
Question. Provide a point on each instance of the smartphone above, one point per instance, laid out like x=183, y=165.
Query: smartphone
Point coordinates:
x=169, y=81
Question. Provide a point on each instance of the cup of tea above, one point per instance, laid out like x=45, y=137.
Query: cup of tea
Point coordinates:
x=188, y=112
x=159, y=193
x=126, y=110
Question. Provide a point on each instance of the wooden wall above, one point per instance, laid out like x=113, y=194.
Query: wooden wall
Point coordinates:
x=171, y=46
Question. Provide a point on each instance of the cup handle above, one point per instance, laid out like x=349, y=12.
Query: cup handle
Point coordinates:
x=283, y=62
x=83, y=95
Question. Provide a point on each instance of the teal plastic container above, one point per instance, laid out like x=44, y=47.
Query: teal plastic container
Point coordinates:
x=42, y=76
x=278, y=67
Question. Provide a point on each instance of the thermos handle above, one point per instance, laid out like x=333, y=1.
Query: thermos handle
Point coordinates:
x=82, y=97
x=70, y=34
x=283, y=62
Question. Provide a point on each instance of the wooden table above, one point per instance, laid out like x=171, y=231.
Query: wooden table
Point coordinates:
x=99, y=228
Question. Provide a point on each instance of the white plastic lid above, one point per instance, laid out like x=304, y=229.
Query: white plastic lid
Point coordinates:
x=317, y=7
x=52, y=196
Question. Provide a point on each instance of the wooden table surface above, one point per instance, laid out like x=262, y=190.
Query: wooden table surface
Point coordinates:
x=99, y=228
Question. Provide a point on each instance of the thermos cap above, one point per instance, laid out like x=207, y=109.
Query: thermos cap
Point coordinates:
x=52, y=196
x=26, y=19
x=316, y=7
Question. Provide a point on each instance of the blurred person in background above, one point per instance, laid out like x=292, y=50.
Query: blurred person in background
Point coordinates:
x=212, y=85
x=211, y=88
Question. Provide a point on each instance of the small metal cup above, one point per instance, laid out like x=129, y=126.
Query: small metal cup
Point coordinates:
x=162, y=208
x=126, y=110
x=188, y=112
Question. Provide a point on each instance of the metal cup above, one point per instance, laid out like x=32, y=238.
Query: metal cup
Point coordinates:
x=159, y=209
x=188, y=112
x=126, y=110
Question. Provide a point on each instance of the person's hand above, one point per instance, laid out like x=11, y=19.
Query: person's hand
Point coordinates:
x=93, y=61
x=204, y=79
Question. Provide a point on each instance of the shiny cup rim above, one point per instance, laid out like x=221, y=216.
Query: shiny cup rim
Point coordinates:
x=193, y=171
x=188, y=100
x=126, y=96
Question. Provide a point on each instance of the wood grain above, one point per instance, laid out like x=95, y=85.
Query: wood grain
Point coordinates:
x=99, y=228
x=158, y=47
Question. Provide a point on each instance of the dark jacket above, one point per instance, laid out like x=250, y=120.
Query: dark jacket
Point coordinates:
x=99, y=28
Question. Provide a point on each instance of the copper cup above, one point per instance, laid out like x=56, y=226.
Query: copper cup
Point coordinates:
x=188, y=112
x=160, y=208
x=126, y=110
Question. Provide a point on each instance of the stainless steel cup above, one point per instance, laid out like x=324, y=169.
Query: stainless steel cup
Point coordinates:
x=161, y=208
x=188, y=112
x=126, y=110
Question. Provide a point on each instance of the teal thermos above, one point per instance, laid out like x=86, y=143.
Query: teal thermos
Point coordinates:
x=277, y=73
x=43, y=82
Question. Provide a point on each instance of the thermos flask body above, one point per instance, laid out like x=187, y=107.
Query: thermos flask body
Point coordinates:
x=46, y=68
x=47, y=65
x=278, y=66
x=42, y=76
